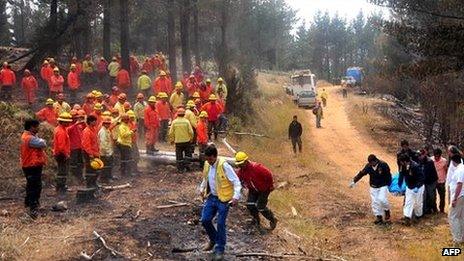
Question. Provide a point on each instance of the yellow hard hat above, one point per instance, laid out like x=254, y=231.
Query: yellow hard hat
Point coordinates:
x=162, y=95
x=73, y=66
x=106, y=113
x=98, y=94
x=152, y=99
x=179, y=85
x=196, y=95
x=49, y=102
x=98, y=106
x=162, y=73
x=203, y=114
x=56, y=69
x=65, y=117
x=212, y=97
x=220, y=79
x=97, y=164
x=208, y=80
x=131, y=114
x=94, y=92
x=190, y=104
x=240, y=158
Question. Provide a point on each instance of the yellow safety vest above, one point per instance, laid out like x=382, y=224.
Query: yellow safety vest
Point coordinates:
x=224, y=188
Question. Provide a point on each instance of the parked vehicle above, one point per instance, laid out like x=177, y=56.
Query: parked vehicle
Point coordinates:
x=356, y=73
x=348, y=81
x=306, y=99
x=301, y=81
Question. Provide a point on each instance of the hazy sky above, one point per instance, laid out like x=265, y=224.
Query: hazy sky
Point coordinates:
x=345, y=8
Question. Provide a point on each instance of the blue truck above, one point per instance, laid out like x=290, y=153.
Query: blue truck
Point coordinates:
x=356, y=73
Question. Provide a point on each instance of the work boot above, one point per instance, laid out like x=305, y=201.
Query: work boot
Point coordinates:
x=406, y=221
x=387, y=215
x=273, y=223
x=208, y=246
x=378, y=220
x=218, y=257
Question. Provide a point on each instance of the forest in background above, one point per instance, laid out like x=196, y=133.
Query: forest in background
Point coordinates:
x=413, y=52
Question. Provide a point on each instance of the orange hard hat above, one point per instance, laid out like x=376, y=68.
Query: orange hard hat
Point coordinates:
x=90, y=96
x=127, y=106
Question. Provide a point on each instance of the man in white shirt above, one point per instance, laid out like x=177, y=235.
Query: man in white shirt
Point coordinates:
x=221, y=187
x=455, y=180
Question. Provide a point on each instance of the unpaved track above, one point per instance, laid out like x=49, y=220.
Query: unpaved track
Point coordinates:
x=345, y=149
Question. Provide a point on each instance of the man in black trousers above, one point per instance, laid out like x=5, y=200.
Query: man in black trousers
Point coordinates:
x=33, y=159
x=294, y=134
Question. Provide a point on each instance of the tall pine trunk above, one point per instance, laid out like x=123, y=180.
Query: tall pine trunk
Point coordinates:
x=223, y=50
x=124, y=20
x=53, y=25
x=196, y=33
x=172, y=39
x=107, y=29
x=185, y=35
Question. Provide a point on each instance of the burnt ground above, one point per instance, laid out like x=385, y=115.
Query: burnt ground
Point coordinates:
x=168, y=234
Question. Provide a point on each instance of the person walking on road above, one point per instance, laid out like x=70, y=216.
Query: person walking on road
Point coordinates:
x=379, y=180
x=455, y=180
x=412, y=174
x=324, y=97
x=260, y=183
x=295, y=130
x=221, y=188
x=441, y=165
x=33, y=159
x=319, y=113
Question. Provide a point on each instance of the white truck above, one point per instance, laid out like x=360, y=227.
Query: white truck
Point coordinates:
x=303, y=81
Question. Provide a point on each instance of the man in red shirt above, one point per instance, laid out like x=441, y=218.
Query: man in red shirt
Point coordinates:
x=259, y=182
x=192, y=86
x=75, y=138
x=147, y=66
x=74, y=82
x=7, y=80
x=214, y=110
x=45, y=73
x=164, y=112
x=30, y=86
x=123, y=81
x=102, y=70
x=114, y=96
x=91, y=150
x=152, y=123
x=33, y=158
x=202, y=135
x=47, y=113
x=56, y=83
x=162, y=84
x=62, y=151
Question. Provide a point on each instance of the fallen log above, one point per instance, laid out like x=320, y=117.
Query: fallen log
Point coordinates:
x=127, y=185
x=172, y=205
x=278, y=256
x=184, y=250
x=112, y=250
x=230, y=148
x=171, y=159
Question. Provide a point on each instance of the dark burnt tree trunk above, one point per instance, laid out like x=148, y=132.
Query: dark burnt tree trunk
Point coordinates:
x=196, y=33
x=185, y=34
x=222, y=53
x=124, y=21
x=107, y=29
x=172, y=39
x=53, y=25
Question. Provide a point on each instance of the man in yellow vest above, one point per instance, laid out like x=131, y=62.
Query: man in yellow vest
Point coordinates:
x=181, y=134
x=221, y=188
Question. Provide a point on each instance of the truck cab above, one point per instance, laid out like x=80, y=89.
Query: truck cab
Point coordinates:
x=302, y=81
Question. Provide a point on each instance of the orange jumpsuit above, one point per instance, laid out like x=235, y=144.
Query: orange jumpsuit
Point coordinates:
x=152, y=123
x=202, y=132
x=56, y=83
x=162, y=84
x=90, y=142
x=47, y=114
x=30, y=87
x=61, y=144
x=123, y=80
x=73, y=80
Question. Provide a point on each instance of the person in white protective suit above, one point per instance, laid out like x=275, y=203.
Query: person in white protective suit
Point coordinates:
x=455, y=179
x=412, y=174
x=379, y=180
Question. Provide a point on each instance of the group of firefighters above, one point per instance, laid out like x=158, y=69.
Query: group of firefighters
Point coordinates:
x=425, y=174
x=92, y=137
